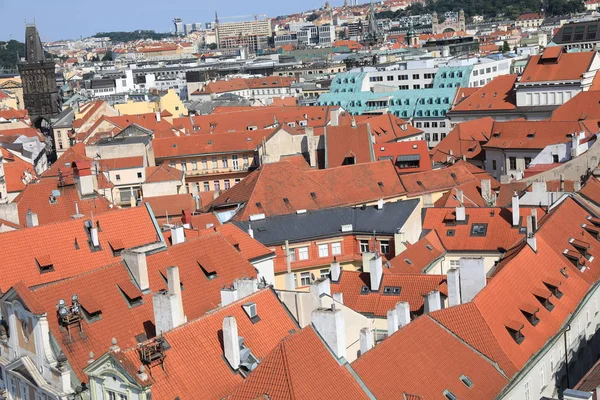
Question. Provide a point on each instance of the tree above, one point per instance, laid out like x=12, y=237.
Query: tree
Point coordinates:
x=212, y=46
x=505, y=47
x=312, y=17
x=107, y=56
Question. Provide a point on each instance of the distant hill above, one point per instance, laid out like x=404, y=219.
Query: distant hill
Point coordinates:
x=8, y=53
x=135, y=35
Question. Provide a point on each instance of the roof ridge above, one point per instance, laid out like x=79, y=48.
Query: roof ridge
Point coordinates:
x=288, y=376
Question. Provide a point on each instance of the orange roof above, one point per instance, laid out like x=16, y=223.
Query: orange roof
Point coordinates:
x=249, y=247
x=17, y=172
x=171, y=205
x=417, y=257
x=591, y=190
x=74, y=153
x=385, y=128
x=392, y=151
x=436, y=180
x=530, y=16
x=195, y=362
x=201, y=221
x=163, y=173
x=498, y=94
x=351, y=44
x=532, y=134
x=36, y=197
x=557, y=65
x=288, y=101
x=29, y=132
x=65, y=244
x=235, y=84
x=342, y=142
x=471, y=193
x=14, y=114
x=584, y=105
x=299, y=367
x=110, y=164
x=409, y=361
x=465, y=139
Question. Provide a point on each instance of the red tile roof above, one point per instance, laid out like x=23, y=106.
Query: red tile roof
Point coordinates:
x=418, y=256
x=57, y=242
x=532, y=134
x=394, y=150
x=385, y=128
x=171, y=205
x=163, y=173
x=436, y=180
x=74, y=153
x=299, y=367
x=496, y=95
x=342, y=142
x=14, y=114
x=409, y=361
x=530, y=16
x=591, y=190
x=557, y=65
x=412, y=289
x=110, y=164
x=17, y=172
x=465, y=139
x=584, y=105
x=471, y=192
x=236, y=84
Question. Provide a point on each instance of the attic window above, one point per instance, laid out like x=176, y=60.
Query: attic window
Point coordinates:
x=450, y=232
x=449, y=395
x=544, y=300
x=406, y=260
x=530, y=312
x=531, y=134
x=514, y=330
x=364, y=290
x=76, y=244
x=210, y=275
x=467, y=381
x=286, y=200
x=478, y=229
x=117, y=246
x=380, y=184
x=420, y=184
x=313, y=195
x=251, y=312
x=428, y=246
x=496, y=134
x=44, y=263
x=563, y=271
x=581, y=246
x=131, y=294
x=258, y=204
x=392, y=290
x=554, y=288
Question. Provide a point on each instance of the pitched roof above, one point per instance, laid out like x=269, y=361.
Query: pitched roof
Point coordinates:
x=195, y=362
x=465, y=139
x=409, y=360
x=555, y=64
x=299, y=367
x=385, y=127
x=110, y=164
x=235, y=84
x=171, y=205
x=471, y=196
x=498, y=94
x=532, y=134
x=25, y=249
x=436, y=180
x=584, y=105
x=418, y=256
x=398, y=152
x=73, y=153
x=163, y=173
x=17, y=172
x=342, y=142
x=591, y=190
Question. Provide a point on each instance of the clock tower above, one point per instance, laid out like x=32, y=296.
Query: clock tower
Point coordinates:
x=40, y=92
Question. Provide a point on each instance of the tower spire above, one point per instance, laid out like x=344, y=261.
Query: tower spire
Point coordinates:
x=216, y=17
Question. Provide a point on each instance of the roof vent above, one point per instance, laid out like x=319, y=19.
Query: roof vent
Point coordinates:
x=347, y=228
x=415, y=146
x=250, y=309
x=303, y=211
x=257, y=217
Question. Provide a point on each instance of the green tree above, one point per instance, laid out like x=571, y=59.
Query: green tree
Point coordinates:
x=312, y=17
x=107, y=56
x=212, y=46
x=505, y=47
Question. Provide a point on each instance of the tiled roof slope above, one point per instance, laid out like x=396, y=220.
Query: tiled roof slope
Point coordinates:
x=163, y=173
x=591, y=190
x=418, y=256
x=412, y=289
x=35, y=197
x=24, y=249
x=555, y=64
x=409, y=361
x=347, y=141
x=299, y=367
x=172, y=204
x=532, y=134
x=195, y=362
x=385, y=128
x=396, y=150
x=436, y=180
x=16, y=172
x=465, y=139
x=74, y=153
x=584, y=105
x=497, y=95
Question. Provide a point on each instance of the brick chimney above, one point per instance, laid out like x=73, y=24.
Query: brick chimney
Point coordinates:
x=329, y=323
x=231, y=342
x=136, y=263
x=472, y=277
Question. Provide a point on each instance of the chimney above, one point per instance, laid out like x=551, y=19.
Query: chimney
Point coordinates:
x=576, y=186
x=136, y=263
x=317, y=289
x=167, y=311
x=453, y=278
x=562, y=183
x=197, y=202
x=380, y=204
x=290, y=283
x=231, y=342
x=174, y=287
x=312, y=144
x=329, y=323
x=339, y=297
x=376, y=272
x=177, y=235
x=515, y=210
x=575, y=145
x=460, y=196
x=31, y=219
x=531, y=241
x=471, y=277
x=245, y=286
x=403, y=313
x=460, y=214
x=432, y=302
x=392, y=321
x=366, y=340
x=366, y=257
x=228, y=295
x=186, y=219
x=534, y=220
x=334, y=117
x=82, y=172
x=399, y=242
x=335, y=270
x=486, y=192
x=250, y=231
x=157, y=116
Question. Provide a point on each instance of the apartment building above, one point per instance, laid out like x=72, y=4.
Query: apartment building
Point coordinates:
x=250, y=34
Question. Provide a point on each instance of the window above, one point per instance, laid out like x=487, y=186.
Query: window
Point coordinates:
x=225, y=162
x=292, y=255
x=442, y=124
x=183, y=166
x=217, y=185
x=303, y=253
x=194, y=165
x=226, y=184
x=402, y=77
x=415, y=76
x=434, y=124
x=246, y=165
x=197, y=187
x=527, y=162
x=364, y=246
x=419, y=124
x=478, y=229
x=215, y=163
x=527, y=390
x=237, y=180
x=494, y=165
x=512, y=161
x=234, y=162
x=305, y=279
x=206, y=187
x=139, y=175
x=416, y=86
x=336, y=248
x=384, y=247
x=324, y=250
x=390, y=78
x=324, y=272
x=435, y=137
x=554, y=158
x=118, y=177
x=542, y=377
x=204, y=163
x=403, y=87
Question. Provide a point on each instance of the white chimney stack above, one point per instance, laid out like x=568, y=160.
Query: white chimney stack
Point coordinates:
x=157, y=116
x=392, y=321
x=31, y=219
x=534, y=220
x=472, y=278
x=366, y=340
x=453, y=277
x=245, y=286
x=336, y=270
x=231, y=342
x=329, y=322
x=486, y=192
x=250, y=231
x=136, y=263
x=167, y=311
x=339, y=297
x=380, y=204
x=174, y=286
x=403, y=313
x=515, y=210
x=177, y=235
x=461, y=214
x=376, y=272
x=432, y=302
x=228, y=296
x=531, y=240
x=399, y=242
x=460, y=196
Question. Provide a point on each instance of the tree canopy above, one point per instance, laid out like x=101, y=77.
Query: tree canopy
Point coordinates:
x=8, y=53
x=135, y=35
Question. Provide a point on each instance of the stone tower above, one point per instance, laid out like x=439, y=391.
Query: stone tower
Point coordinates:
x=461, y=20
x=40, y=93
x=434, y=23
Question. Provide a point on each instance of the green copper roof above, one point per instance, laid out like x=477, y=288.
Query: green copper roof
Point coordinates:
x=452, y=76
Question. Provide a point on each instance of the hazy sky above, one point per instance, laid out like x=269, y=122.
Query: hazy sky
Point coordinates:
x=70, y=19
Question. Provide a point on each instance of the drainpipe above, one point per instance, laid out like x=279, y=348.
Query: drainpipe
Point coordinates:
x=567, y=355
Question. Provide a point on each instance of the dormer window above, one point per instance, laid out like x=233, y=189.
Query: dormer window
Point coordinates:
x=576, y=258
x=554, y=287
x=581, y=246
x=543, y=296
x=44, y=263
x=530, y=312
x=592, y=230
x=514, y=330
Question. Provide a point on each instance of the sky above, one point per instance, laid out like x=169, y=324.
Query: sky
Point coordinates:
x=72, y=19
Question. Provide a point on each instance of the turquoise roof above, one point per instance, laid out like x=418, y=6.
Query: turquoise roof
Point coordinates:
x=415, y=103
x=452, y=76
x=347, y=82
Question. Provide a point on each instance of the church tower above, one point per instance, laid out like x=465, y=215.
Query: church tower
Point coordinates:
x=40, y=92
